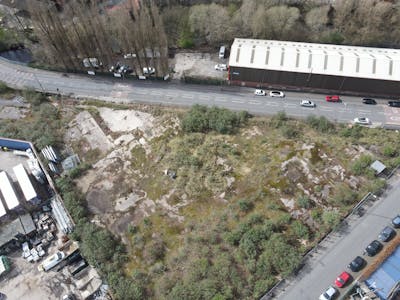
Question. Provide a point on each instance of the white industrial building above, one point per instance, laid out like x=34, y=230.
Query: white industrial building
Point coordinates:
x=315, y=66
x=8, y=192
x=25, y=183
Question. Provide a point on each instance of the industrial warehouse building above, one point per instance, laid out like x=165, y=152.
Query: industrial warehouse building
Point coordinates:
x=315, y=67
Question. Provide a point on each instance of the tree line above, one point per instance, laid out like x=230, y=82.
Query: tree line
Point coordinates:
x=353, y=22
x=71, y=31
x=78, y=30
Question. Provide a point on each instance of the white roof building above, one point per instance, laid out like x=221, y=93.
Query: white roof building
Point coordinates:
x=7, y=191
x=336, y=60
x=24, y=182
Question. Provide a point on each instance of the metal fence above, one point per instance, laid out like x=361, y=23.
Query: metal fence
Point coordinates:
x=357, y=210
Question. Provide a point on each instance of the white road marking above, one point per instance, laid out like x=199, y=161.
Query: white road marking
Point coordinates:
x=271, y=104
x=237, y=101
x=254, y=102
x=220, y=100
x=187, y=96
x=324, y=108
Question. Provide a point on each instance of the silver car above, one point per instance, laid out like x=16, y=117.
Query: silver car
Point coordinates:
x=307, y=103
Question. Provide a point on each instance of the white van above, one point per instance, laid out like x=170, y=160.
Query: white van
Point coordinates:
x=51, y=261
x=222, y=52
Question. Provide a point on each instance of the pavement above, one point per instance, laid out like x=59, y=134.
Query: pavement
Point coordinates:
x=336, y=251
x=172, y=93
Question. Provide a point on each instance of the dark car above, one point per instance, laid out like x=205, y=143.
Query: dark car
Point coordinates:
x=357, y=264
x=396, y=221
x=386, y=234
x=373, y=248
x=368, y=101
x=394, y=103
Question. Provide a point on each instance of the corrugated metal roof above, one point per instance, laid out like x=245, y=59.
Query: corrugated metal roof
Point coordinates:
x=24, y=182
x=385, y=278
x=363, y=62
x=8, y=191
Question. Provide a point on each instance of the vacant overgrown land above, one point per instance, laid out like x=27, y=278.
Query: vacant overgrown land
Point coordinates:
x=206, y=203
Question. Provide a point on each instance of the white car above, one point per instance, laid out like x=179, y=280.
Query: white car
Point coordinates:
x=278, y=94
x=329, y=293
x=307, y=103
x=149, y=71
x=221, y=67
x=362, y=121
x=259, y=92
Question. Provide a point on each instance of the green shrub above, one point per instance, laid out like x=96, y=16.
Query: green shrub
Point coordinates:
x=304, y=202
x=343, y=195
x=389, y=151
x=290, y=131
x=279, y=120
x=361, y=165
x=300, y=230
x=203, y=119
x=245, y=205
x=320, y=124
x=4, y=88
x=331, y=219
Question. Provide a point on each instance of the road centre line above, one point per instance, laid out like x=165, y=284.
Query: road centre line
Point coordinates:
x=237, y=101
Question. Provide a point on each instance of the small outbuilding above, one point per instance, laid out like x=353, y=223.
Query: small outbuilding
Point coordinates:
x=378, y=167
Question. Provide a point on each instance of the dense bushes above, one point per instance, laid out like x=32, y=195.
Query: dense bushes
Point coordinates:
x=44, y=127
x=97, y=244
x=203, y=119
x=362, y=164
x=321, y=124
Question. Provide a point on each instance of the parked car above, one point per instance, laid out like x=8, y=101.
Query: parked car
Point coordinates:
x=396, y=221
x=259, y=92
x=386, y=234
x=369, y=101
x=373, y=248
x=333, y=98
x=221, y=67
x=357, y=264
x=278, y=94
x=394, y=103
x=362, y=121
x=329, y=293
x=342, y=279
x=149, y=71
x=307, y=103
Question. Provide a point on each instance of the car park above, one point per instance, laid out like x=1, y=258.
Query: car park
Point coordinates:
x=386, y=234
x=357, y=264
x=342, y=279
x=221, y=67
x=259, y=92
x=396, y=221
x=307, y=103
x=369, y=101
x=277, y=94
x=333, y=98
x=328, y=294
x=362, y=121
x=394, y=103
x=373, y=248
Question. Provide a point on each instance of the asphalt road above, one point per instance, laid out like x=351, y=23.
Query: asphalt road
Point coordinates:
x=336, y=252
x=339, y=249
x=167, y=93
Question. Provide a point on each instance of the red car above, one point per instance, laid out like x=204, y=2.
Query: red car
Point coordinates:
x=333, y=98
x=342, y=279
